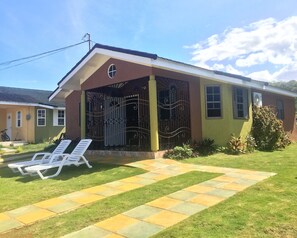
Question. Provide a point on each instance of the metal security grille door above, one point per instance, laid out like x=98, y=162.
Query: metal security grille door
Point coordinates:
x=117, y=116
x=114, y=121
x=173, y=112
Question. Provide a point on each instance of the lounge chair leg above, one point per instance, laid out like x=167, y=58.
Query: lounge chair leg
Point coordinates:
x=86, y=162
x=22, y=171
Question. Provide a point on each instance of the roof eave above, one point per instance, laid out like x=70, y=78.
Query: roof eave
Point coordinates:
x=151, y=60
x=30, y=105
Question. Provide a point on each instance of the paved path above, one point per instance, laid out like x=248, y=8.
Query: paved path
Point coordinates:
x=147, y=219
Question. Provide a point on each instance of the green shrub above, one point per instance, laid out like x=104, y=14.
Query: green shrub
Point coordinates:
x=204, y=147
x=19, y=149
x=179, y=152
x=235, y=145
x=250, y=144
x=267, y=130
x=221, y=149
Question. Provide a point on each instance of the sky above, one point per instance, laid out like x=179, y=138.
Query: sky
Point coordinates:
x=254, y=38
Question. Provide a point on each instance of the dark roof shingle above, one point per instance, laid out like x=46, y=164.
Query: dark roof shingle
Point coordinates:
x=22, y=95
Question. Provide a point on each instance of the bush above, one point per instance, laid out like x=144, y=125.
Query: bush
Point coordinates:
x=235, y=145
x=267, y=130
x=19, y=149
x=204, y=147
x=179, y=152
x=250, y=144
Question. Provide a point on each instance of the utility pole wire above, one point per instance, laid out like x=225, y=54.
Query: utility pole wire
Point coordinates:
x=41, y=54
x=28, y=61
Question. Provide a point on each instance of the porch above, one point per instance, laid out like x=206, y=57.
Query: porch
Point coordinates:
x=146, y=114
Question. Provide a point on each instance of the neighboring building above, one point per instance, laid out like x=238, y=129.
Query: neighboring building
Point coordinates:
x=130, y=100
x=28, y=115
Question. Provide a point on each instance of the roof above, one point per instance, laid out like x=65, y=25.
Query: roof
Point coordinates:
x=22, y=96
x=99, y=54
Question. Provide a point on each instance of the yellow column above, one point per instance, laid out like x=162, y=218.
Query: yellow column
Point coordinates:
x=153, y=113
x=83, y=115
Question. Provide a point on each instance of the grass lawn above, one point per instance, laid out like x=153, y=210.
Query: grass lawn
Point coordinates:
x=28, y=149
x=267, y=209
x=16, y=191
x=98, y=211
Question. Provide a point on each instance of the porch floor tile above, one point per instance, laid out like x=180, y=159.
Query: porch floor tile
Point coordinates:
x=64, y=207
x=50, y=203
x=166, y=218
x=222, y=193
x=141, y=230
x=235, y=186
x=116, y=223
x=89, y=232
x=142, y=212
x=88, y=199
x=188, y=208
x=206, y=200
x=199, y=188
x=35, y=216
x=22, y=211
x=107, y=192
x=182, y=195
x=164, y=202
x=8, y=224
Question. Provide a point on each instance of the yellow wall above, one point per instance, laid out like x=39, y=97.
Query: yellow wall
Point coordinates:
x=220, y=129
x=2, y=119
x=27, y=130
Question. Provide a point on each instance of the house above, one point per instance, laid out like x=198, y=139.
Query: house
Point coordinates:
x=28, y=115
x=130, y=100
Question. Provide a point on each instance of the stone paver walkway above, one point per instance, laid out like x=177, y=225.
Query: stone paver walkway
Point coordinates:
x=147, y=219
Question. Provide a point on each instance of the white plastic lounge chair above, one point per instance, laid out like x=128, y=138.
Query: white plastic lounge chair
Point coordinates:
x=75, y=158
x=39, y=158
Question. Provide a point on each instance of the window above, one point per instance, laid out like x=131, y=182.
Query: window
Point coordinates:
x=59, y=117
x=240, y=103
x=213, y=101
x=111, y=71
x=19, y=119
x=280, y=112
x=41, y=113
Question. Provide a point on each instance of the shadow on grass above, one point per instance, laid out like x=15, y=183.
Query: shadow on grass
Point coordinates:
x=67, y=172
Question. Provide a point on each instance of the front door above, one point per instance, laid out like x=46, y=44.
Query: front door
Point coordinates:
x=114, y=122
x=8, y=124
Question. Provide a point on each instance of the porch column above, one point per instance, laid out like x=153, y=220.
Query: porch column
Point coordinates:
x=153, y=113
x=83, y=115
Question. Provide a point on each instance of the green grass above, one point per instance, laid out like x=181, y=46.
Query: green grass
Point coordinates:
x=35, y=147
x=267, y=209
x=29, y=148
x=16, y=191
x=106, y=208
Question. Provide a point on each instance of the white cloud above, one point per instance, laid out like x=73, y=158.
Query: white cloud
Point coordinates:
x=263, y=75
x=77, y=11
x=267, y=44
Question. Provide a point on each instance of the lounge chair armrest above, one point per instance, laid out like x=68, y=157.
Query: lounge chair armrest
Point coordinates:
x=57, y=156
x=44, y=155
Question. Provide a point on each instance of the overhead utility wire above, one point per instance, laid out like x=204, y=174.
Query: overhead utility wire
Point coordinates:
x=38, y=56
x=28, y=61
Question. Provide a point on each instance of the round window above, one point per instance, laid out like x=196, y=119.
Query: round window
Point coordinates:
x=111, y=71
